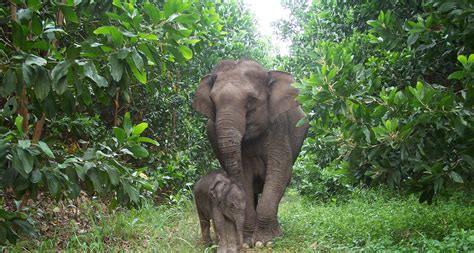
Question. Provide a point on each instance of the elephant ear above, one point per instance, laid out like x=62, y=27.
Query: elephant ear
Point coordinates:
x=282, y=96
x=218, y=188
x=202, y=100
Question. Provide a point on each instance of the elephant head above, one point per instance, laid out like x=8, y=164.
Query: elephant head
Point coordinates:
x=243, y=100
x=229, y=198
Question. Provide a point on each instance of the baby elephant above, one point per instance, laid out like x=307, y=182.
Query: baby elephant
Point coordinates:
x=221, y=200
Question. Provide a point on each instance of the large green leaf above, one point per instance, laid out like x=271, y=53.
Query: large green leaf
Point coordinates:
x=9, y=83
x=69, y=13
x=116, y=67
x=147, y=140
x=90, y=71
x=127, y=123
x=458, y=75
x=139, y=74
x=186, y=52
x=10, y=106
x=138, y=129
x=25, y=227
x=34, y=4
x=95, y=179
x=187, y=18
x=35, y=60
x=463, y=60
x=28, y=74
x=19, y=124
x=22, y=161
x=138, y=60
x=148, y=36
x=37, y=29
x=120, y=134
x=42, y=84
x=35, y=176
x=44, y=147
x=169, y=8
x=117, y=36
x=52, y=182
x=131, y=191
x=139, y=151
x=456, y=177
x=19, y=34
x=58, y=76
x=61, y=86
x=114, y=176
x=153, y=12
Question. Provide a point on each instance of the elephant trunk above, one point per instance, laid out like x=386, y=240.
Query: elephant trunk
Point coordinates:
x=240, y=230
x=229, y=138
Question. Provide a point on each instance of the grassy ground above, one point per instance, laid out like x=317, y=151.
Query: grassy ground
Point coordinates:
x=369, y=221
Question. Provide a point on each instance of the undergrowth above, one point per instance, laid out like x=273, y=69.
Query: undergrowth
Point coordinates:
x=370, y=220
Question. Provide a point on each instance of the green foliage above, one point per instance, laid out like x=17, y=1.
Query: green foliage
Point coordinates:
x=75, y=128
x=102, y=169
x=389, y=101
x=12, y=223
x=329, y=184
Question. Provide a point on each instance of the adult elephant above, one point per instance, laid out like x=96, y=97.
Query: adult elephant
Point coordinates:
x=253, y=130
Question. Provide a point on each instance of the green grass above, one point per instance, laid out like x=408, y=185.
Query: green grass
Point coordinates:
x=372, y=220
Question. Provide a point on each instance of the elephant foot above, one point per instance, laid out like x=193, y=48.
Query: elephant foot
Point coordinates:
x=233, y=249
x=260, y=244
x=248, y=243
x=228, y=249
x=264, y=236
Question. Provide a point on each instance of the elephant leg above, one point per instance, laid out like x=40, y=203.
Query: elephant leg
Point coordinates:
x=205, y=229
x=232, y=237
x=250, y=214
x=220, y=229
x=278, y=176
x=250, y=166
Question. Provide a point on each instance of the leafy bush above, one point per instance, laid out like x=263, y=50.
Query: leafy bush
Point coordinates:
x=328, y=184
x=390, y=100
x=29, y=167
x=13, y=223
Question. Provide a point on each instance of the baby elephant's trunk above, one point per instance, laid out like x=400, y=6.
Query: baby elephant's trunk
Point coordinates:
x=239, y=225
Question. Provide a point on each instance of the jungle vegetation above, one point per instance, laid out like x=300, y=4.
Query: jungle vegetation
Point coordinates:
x=97, y=129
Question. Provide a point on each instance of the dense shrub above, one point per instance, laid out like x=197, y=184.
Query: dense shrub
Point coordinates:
x=388, y=89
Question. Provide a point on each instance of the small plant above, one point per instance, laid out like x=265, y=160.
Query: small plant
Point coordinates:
x=12, y=223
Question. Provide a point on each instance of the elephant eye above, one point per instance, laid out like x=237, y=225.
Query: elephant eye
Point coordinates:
x=251, y=103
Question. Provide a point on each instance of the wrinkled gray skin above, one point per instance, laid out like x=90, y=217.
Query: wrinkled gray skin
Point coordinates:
x=252, y=122
x=223, y=201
